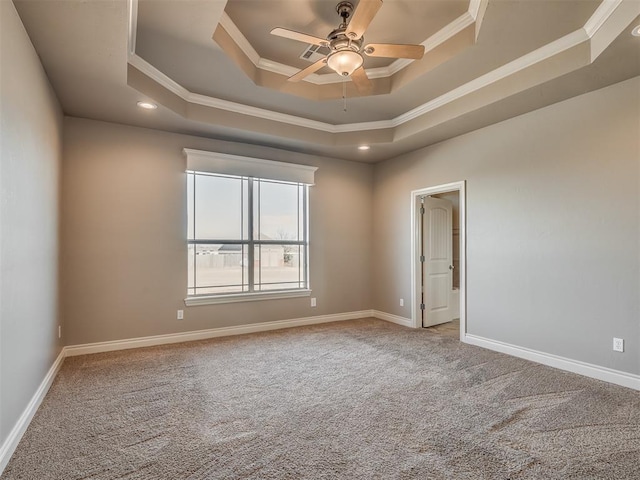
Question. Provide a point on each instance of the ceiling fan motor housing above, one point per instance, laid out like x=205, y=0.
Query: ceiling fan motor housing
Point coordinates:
x=344, y=9
x=338, y=40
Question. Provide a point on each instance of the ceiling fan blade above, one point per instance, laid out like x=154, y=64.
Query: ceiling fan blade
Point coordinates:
x=391, y=50
x=300, y=37
x=361, y=81
x=362, y=16
x=309, y=70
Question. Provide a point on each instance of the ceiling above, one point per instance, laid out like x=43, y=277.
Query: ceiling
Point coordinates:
x=215, y=70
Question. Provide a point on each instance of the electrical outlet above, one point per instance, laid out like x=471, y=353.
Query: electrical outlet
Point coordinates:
x=59, y=331
x=402, y=302
x=180, y=314
x=313, y=302
x=618, y=344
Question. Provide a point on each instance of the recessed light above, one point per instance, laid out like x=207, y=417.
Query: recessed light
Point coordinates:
x=636, y=31
x=147, y=105
x=364, y=147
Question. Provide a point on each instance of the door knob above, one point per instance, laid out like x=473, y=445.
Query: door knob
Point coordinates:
x=451, y=267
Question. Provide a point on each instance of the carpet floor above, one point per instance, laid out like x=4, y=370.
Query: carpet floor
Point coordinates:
x=361, y=399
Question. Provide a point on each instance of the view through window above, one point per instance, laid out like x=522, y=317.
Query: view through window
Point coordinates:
x=245, y=234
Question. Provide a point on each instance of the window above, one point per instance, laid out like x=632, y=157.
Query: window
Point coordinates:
x=247, y=236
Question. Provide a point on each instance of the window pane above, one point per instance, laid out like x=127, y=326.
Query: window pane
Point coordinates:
x=302, y=192
x=279, y=267
x=218, y=208
x=245, y=208
x=220, y=268
x=191, y=270
x=279, y=211
x=190, y=224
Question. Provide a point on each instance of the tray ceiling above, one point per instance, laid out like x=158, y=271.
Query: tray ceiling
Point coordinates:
x=504, y=53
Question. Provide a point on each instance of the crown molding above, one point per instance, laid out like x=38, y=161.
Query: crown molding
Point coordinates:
x=434, y=41
x=132, y=27
x=568, y=41
x=602, y=13
x=238, y=37
x=474, y=8
x=444, y=34
x=500, y=73
x=159, y=77
x=206, y=101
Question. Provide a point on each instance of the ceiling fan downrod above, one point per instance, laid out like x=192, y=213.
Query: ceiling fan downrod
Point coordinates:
x=344, y=9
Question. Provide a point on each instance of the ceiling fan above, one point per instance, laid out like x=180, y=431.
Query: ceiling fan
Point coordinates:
x=346, y=45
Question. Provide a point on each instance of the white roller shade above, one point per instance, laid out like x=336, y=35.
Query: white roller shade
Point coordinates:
x=211, y=162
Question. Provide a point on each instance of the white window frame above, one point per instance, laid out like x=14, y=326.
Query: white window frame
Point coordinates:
x=224, y=164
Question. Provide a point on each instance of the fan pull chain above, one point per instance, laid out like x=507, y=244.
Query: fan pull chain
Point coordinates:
x=344, y=94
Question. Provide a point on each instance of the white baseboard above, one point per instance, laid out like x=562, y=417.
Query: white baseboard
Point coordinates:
x=99, y=347
x=405, y=322
x=628, y=380
x=11, y=442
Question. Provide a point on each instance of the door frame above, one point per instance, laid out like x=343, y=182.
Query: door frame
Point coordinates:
x=416, y=195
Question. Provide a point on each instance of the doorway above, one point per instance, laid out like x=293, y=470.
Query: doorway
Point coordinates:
x=438, y=266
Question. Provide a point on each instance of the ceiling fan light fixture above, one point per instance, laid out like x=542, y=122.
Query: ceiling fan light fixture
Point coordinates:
x=345, y=62
x=346, y=46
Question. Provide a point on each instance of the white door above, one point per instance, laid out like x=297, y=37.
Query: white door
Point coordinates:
x=437, y=261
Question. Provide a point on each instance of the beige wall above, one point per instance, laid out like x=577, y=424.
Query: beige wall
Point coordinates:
x=553, y=226
x=124, y=254
x=30, y=150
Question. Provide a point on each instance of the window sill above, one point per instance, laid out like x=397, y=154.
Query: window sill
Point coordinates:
x=244, y=297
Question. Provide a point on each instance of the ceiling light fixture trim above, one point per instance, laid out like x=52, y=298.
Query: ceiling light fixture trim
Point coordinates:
x=147, y=105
